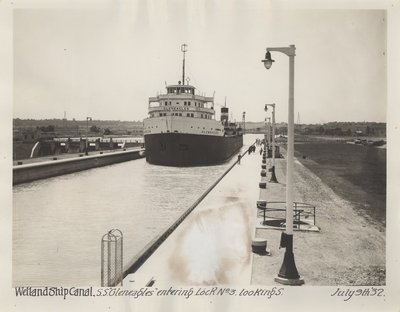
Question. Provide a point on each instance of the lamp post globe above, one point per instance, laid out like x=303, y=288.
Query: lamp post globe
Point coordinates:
x=268, y=60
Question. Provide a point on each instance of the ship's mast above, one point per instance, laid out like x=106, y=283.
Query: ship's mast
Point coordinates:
x=184, y=50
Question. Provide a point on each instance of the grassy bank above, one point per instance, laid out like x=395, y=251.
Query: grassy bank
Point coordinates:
x=356, y=173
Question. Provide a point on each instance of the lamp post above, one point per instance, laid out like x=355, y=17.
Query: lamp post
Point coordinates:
x=268, y=133
x=244, y=122
x=87, y=133
x=288, y=274
x=273, y=176
x=266, y=138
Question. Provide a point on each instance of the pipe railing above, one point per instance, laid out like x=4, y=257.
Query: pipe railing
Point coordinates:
x=301, y=211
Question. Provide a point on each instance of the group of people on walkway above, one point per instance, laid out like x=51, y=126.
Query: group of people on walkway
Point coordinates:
x=260, y=142
x=252, y=149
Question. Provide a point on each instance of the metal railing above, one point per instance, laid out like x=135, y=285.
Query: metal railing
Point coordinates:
x=274, y=214
x=112, y=258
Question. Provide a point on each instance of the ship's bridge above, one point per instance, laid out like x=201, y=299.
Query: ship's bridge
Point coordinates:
x=181, y=100
x=180, y=89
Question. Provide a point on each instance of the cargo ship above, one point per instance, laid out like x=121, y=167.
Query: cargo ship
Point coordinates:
x=182, y=130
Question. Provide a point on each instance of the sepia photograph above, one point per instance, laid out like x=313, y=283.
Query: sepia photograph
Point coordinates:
x=204, y=155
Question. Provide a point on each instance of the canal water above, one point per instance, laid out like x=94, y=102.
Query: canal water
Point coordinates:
x=58, y=222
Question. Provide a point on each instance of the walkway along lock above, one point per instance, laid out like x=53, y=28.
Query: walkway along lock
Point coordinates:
x=139, y=259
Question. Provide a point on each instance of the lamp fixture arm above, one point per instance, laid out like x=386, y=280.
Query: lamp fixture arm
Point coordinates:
x=289, y=51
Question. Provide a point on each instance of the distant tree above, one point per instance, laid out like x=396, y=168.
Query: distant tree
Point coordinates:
x=282, y=130
x=49, y=128
x=321, y=130
x=338, y=131
x=94, y=129
x=107, y=131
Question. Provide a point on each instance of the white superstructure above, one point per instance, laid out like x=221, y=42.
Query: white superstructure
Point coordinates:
x=181, y=110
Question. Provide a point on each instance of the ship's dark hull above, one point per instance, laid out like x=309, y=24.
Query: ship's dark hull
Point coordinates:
x=180, y=149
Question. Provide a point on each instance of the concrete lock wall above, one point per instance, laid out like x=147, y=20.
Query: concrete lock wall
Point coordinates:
x=35, y=171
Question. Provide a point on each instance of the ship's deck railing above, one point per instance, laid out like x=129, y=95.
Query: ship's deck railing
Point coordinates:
x=181, y=96
x=102, y=140
x=176, y=108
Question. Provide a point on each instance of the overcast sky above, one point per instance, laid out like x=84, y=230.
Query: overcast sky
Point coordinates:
x=105, y=63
